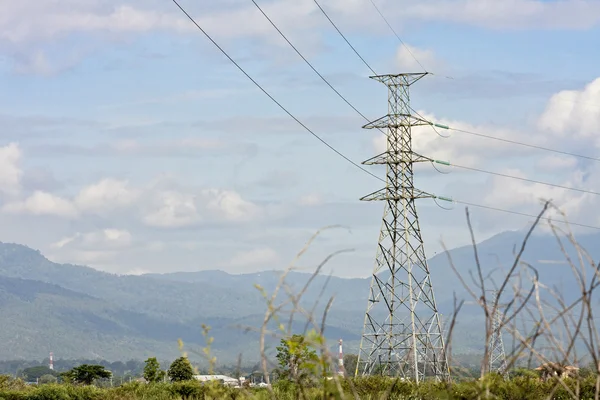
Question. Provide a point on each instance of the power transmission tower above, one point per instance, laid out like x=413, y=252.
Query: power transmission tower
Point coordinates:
x=497, y=356
x=402, y=334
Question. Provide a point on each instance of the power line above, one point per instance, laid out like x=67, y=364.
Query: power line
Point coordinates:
x=368, y=66
x=441, y=126
x=307, y=62
x=517, y=213
x=344, y=37
x=519, y=143
x=518, y=178
x=437, y=125
x=269, y=95
x=348, y=159
x=397, y=36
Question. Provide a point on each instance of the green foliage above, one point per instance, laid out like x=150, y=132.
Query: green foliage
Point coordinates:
x=8, y=383
x=181, y=370
x=188, y=389
x=34, y=373
x=524, y=373
x=45, y=379
x=350, y=361
x=297, y=358
x=373, y=387
x=86, y=374
x=152, y=371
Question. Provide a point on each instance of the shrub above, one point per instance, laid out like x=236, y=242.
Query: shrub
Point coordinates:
x=188, y=389
x=50, y=392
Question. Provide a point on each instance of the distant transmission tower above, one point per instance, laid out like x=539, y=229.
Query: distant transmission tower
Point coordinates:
x=497, y=356
x=402, y=334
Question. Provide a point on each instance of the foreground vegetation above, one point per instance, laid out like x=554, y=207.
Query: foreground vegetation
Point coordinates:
x=492, y=387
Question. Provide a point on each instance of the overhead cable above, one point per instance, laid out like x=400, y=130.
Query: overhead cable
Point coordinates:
x=270, y=96
x=334, y=149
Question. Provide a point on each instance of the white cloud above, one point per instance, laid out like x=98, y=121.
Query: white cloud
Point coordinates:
x=97, y=248
x=574, y=112
x=508, y=14
x=173, y=210
x=10, y=172
x=407, y=56
x=106, y=239
x=230, y=205
x=31, y=20
x=457, y=147
x=527, y=197
x=42, y=203
x=154, y=204
x=258, y=257
x=555, y=163
x=108, y=194
x=31, y=23
x=47, y=19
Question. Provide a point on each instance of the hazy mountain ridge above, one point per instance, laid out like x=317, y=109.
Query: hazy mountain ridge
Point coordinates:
x=77, y=311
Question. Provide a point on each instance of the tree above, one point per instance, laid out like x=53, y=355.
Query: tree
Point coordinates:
x=350, y=361
x=296, y=357
x=181, y=370
x=86, y=374
x=47, y=379
x=8, y=383
x=152, y=371
x=32, y=374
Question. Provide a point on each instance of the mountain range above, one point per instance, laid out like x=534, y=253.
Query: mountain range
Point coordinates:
x=79, y=312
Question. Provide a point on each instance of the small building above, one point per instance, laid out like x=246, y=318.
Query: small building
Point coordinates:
x=224, y=379
x=551, y=369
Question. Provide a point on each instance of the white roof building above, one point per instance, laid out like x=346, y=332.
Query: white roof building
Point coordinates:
x=227, y=380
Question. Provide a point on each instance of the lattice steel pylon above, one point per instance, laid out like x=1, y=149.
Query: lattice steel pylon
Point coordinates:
x=402, y=334
x=497, y=356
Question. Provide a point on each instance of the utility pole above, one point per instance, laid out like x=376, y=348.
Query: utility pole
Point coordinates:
x=497, y=356
x=402, y=334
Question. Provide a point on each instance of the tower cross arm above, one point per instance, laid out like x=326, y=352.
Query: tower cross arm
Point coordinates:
x=396, y=121
x=396, y=157
x=404, y=193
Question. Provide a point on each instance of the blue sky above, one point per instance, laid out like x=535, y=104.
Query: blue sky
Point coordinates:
x=130, y=144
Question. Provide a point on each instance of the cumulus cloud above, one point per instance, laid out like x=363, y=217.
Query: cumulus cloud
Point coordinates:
x=230, y=205
x=106, y=239
x=99, y=248
x=42, y=203
x=574, y=112
x=407, y=56
x=457, y=147
x=508, y=14
x=152, y=204
x=32, y=22
x=46, y=19
x=106, y=195
x=555, y=163
x=173, y=210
